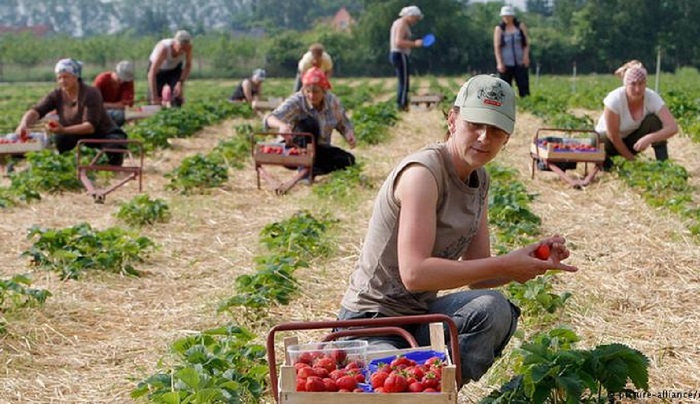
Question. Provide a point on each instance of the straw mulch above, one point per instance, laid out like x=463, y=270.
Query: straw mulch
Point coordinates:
x=97, y=336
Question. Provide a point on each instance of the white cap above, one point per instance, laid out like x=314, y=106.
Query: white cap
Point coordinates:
x=486, y=99
x=507, y=11
x=259, y=74
x=183, y=37
x=411, y=11
x=125, y=70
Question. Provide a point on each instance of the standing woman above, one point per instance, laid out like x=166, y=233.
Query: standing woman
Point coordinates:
x=400, y=44
x=511, y=46
x=635, y=117
x=170, y=63
x=81, y=113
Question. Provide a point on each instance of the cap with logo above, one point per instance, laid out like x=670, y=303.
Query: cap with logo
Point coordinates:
x=486, y=99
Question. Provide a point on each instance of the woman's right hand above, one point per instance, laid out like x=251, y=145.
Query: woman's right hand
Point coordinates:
x=21, y=131
x=527, y=266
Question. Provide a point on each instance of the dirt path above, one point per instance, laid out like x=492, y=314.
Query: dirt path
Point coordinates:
x=636, y=285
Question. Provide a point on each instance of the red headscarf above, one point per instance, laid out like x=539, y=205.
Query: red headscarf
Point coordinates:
x=316, y=77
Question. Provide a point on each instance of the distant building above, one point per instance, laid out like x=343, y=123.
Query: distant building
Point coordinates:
x=342, y=20
x=37, y=30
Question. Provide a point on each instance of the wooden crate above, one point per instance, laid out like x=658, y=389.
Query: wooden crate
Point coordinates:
x=37, y=141
x=549, y=152
x=305, y=158
x=429, y=100
x=447, y=395
x=20, y=148
x=141, y=112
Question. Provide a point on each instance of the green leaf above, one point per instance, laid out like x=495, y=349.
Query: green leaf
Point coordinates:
x=189, y=376
x=172, y=397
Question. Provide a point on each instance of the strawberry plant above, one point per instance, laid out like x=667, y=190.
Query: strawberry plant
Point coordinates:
x=273, y=282
x=536, y=299
x=662, y=184
x=372, y=122
x=7, y=198
x=219, y=365
x=197, y=173
x=509, y=209
x=74, y=250
x=552, y=372
x=342, y=184
x=46, y=172
x=142, y=210
x=16, y=293
x=300, y=235
x=236, y=150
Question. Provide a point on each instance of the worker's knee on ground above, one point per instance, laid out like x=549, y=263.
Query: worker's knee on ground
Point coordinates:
x=489, y=313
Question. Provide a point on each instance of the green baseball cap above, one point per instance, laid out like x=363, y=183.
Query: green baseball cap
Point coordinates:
x=488, y=100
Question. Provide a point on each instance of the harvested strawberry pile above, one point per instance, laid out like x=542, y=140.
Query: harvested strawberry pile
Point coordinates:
x=335, y=372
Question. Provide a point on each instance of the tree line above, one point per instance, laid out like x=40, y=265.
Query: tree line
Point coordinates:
x=594, y=35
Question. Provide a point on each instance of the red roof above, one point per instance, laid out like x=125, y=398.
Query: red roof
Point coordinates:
x=342, y=20
x=37, y=30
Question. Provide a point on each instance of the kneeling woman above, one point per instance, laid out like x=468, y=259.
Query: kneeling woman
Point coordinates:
x=81, y=113
x=635, y=117
x=316, y=110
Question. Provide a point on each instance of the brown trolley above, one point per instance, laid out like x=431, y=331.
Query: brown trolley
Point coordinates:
x=563, y=152
x=131, y=170
x=297, y=151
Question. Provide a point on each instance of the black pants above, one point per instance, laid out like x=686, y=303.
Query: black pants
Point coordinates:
x=169, y=77
x=331, y=158
x=522, y=78
x=651, y=123
x=328, y=158
x=66, y=143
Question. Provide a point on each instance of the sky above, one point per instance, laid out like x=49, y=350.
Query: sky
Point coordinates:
x=519, y=4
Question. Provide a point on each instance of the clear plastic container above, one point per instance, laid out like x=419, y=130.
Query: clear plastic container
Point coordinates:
x=342, y=352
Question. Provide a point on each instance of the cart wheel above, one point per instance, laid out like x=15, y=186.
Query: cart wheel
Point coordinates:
x=532, y=169
x=99, y=199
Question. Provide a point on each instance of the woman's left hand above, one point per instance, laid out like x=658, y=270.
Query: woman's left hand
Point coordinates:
x=350, y=138
x=53, y=127
x=642, y=144
x=177, y=91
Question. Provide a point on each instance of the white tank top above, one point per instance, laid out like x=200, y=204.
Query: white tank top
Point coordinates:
x=394, y=34
x=170, y=62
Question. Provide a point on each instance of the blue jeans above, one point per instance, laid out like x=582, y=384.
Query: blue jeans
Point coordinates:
x=400, y=62
x=485, y=322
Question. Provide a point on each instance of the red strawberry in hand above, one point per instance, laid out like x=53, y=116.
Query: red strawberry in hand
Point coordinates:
x=542, y=252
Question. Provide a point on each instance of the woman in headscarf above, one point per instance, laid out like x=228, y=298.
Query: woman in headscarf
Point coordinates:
x=634, y=117
x=80, y=109
x=316, y=110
